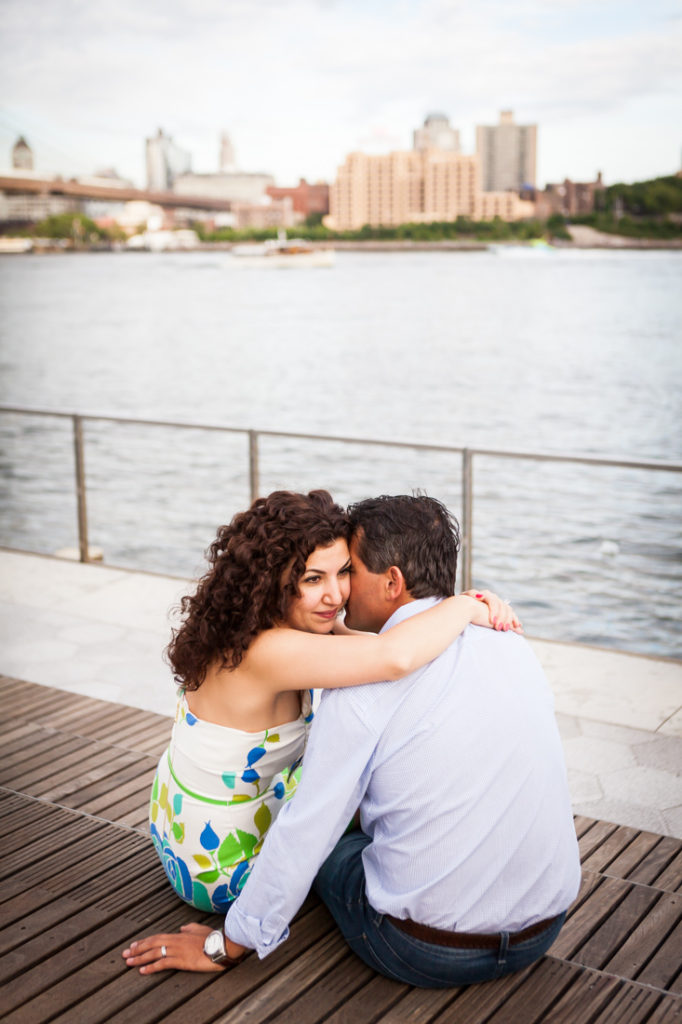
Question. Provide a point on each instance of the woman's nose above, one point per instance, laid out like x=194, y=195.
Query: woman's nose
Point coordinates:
x=333, y=593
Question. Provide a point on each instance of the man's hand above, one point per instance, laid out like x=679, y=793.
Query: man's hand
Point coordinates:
x=184, y=951
x=498, y=614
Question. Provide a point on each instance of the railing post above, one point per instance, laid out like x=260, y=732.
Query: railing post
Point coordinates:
x=80, y=489
x=254, y=485
x=467, y=517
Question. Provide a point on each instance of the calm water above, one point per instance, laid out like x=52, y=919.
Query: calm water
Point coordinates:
x=562, y=352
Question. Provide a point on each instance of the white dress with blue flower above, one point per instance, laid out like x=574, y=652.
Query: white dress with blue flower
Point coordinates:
x=215, y=794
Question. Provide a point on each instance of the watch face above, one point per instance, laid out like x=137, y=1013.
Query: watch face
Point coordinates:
x=214, y=944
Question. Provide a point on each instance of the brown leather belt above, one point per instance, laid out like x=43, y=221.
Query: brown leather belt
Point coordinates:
x=465, y=940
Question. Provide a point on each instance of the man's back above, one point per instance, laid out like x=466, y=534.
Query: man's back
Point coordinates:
x=466, y=798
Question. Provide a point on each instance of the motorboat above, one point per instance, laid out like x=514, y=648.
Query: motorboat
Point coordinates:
x=282, y=252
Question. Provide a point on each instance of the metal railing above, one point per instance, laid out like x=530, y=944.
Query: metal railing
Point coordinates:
x=253, y=436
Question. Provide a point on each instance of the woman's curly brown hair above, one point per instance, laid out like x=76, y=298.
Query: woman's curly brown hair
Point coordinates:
x=242, y=594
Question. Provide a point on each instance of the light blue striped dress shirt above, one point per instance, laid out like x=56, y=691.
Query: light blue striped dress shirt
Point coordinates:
x=459, y=774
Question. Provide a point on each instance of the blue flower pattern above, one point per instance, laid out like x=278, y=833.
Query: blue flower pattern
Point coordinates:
x=208, y=858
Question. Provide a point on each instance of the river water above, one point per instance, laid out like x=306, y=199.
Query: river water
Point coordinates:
x=561, y=352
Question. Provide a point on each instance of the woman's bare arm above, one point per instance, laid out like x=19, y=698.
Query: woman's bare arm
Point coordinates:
x=292, y=659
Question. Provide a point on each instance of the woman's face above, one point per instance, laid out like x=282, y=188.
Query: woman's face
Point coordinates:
x=324, y=588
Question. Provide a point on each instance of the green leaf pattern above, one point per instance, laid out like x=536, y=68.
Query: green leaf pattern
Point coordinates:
x=220, y=782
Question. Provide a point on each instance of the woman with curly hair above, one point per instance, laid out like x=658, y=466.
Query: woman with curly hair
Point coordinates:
x=254, y=642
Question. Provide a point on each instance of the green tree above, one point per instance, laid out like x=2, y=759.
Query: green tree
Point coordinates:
x=76, y=226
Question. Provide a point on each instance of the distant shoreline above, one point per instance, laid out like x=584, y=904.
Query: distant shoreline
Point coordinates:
x=582, y=242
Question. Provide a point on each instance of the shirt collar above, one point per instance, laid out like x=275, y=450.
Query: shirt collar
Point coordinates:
x=406, y=611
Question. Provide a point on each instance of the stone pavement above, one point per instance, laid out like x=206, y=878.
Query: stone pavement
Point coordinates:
x=100, y=631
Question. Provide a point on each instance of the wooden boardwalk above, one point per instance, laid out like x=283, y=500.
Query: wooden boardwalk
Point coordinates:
x=79, y=880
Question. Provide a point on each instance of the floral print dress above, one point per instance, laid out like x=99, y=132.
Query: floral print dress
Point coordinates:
x=216, y=792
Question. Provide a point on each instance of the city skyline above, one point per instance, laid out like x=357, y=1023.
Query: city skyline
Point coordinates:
x=309, y=81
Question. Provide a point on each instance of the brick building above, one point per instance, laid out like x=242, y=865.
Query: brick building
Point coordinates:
x=570, y=198
x=306, y=198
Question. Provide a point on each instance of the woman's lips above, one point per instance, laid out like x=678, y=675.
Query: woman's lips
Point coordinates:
x=328, y=615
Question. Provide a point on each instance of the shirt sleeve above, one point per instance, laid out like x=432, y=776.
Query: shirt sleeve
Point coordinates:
x=334, y=779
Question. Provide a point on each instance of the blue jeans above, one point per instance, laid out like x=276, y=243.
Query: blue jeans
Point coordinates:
x=341, y=884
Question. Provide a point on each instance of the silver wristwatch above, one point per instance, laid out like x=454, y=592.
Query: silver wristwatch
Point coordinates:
x=214, y=948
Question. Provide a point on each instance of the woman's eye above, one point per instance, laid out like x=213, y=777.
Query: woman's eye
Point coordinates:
x=346, y=572
x=312, y=579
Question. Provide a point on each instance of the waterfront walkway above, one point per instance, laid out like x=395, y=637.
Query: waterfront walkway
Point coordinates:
x=98, y=631
x=80, y=878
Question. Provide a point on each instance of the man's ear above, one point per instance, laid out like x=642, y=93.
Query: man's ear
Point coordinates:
x=395, y=584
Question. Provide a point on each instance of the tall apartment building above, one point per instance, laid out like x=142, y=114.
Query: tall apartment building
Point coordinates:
x=403, y=187
x=436, y=134
x=165, y=162
x=507, y=153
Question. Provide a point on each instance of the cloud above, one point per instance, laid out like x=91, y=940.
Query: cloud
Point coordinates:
x=299, y=83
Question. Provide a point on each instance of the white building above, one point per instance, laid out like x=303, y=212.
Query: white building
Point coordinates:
x=22, y=155
x=228, y=159
x=165, y=162
x=237, y=186
x=436, y=134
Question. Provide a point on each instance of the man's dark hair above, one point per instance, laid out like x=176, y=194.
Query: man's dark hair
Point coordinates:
x=414, y=532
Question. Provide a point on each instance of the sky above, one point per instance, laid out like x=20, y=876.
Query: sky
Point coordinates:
x=298, y=84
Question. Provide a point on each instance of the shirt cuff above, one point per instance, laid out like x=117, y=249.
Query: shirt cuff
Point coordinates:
x=250, y=931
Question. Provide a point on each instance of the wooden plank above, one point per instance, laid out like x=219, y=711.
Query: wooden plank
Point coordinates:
x=313, y=1004
x=277, y=992
x=19, y=735
x=599, y=997
x=226, y=991
x=45, y=848
x=48, y=763
x=26, y=704
x=589, y=881
x=646, y=938
x=74, y=874
x=39, y=742
x=138, y=820
x=33, y=825
x=118, y=868
x=608, y=850
x=139, y=730
x=608, y=938
x=67, y=715
x=64, y=751
x=64, y=785
x=589, y=917
x=671, y=878
x=67, y=864
x=625, y=864
x=20, y=815
x=423, y=1005
x=529, y=1002
x=93, y=715
x=155, y=744
x=136, y=803
x=150, y=891
x=137, y=775
x=582, y=824
x=72, y=973
x=663, y=970
x=655, y=862
x=594, y=837
x=370, y=1003
x=668, y=1011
